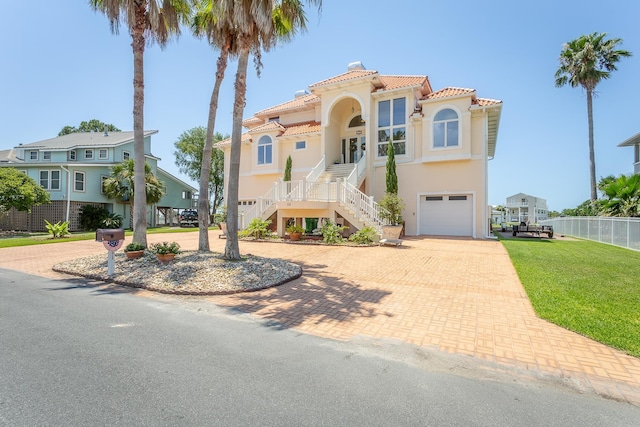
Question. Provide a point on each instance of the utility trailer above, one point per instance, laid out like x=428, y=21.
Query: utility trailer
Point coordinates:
x=536, y=230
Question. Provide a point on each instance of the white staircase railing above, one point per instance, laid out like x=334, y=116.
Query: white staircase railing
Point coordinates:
x=317, y=170
x=361, y=206
x=358, y=171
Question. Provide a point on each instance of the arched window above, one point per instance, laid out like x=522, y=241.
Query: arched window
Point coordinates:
x=265, y=147
x=445, y=129
x=356, y=122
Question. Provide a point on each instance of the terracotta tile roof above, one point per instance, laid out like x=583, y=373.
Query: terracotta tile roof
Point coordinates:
x=246, y=137
x=349, y=75
x=485, y=102
x=268, y=126
x=294, y=104
x=302, y=128
x=252, y=121
x=447, y=92
x=395, y=82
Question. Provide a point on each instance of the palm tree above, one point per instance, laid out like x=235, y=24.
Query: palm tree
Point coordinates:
x=239, y=28
x=207, y=23
x=122, y=183
x=147, y=21
x=584, y=62
x=622, y=196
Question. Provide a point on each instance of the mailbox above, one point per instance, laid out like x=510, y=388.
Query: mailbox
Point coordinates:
x=109, y=234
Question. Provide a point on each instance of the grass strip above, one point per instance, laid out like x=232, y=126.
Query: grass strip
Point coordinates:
x=587, y=287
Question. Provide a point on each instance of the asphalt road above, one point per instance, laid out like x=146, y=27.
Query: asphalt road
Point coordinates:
x=74, y=354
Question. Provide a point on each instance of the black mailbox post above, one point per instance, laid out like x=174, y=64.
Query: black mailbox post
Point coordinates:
x=109, y=234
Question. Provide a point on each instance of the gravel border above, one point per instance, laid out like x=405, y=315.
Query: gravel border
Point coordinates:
x=190, y=273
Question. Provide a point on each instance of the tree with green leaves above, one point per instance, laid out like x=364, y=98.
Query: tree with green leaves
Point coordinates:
x=391, y=176
x=287, y=169
x=19, y=191
x=189, y=154
x=622, y=197
x=243, y=28
x=92, y=125
x=147, y=21
x=585, y=62
x=121, y=184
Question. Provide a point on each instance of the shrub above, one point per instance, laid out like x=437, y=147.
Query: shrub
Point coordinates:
x=134, y=246
x=332, y=233
x=257, y=228
x=295, y=229
x=92, y=216
x=165, y=248
x=392, y=207
x=364, y=236
x=112, y=220
x=59, y=229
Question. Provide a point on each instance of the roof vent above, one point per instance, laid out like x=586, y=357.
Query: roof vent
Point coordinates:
x=357, y=65
x=300, y=93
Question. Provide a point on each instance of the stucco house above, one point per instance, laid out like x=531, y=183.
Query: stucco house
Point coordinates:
x=337, y=132
x=634, y=142
x=526, y=208
x=72, y=167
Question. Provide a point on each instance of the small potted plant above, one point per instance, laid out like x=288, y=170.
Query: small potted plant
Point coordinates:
x=295, y=232
x=134, y=250
x=165, y=251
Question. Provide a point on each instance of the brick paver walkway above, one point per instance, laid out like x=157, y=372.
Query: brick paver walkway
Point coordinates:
x=454, y=295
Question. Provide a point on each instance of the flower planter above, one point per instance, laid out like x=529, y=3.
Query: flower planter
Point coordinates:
x=134, y=254
x=165, y=258
x=295, y=236
x=391, y=232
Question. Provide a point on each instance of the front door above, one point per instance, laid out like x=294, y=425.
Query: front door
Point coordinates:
x=352, y=152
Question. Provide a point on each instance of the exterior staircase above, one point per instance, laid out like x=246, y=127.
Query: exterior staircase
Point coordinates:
x=335, y=172
x=335, y=184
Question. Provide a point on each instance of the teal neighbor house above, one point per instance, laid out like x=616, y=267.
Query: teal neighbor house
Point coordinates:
x=72, y=168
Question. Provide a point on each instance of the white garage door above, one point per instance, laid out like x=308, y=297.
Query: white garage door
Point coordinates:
x=446, y=215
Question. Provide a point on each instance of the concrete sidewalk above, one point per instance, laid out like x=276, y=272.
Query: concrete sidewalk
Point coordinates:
x=452, y=295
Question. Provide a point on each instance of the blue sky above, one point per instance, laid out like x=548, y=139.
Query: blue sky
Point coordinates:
x=61, y=65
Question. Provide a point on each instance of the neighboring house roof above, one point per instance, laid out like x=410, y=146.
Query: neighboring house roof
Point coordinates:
x=85, y=139
x=176, y=179
x=634, y=140
x=9, y=156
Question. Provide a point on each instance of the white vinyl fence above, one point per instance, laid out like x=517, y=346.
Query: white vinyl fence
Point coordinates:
x=624, y=232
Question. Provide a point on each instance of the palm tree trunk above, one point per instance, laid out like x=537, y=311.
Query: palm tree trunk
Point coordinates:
x=205, y=171
x=232, y=250
x=592, y=156
x=139, y=194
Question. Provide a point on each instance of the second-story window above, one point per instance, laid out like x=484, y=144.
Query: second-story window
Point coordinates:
x=445, y=129
x=392, y=125
x=301, y=145
x=46, y=155
x=265, y=147
x=126, y=155
x=33, y=155
x=102, y=153
x=88, y=154
x=72, y=155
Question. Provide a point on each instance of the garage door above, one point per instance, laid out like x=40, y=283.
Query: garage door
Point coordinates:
x=446, y=215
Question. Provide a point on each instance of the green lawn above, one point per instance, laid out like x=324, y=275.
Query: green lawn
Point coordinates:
x=43, y=238
x=587, y=287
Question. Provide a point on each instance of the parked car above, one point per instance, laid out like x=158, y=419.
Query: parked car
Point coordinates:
x=189, y=218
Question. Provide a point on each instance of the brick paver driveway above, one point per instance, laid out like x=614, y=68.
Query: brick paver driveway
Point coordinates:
x=451, y=295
